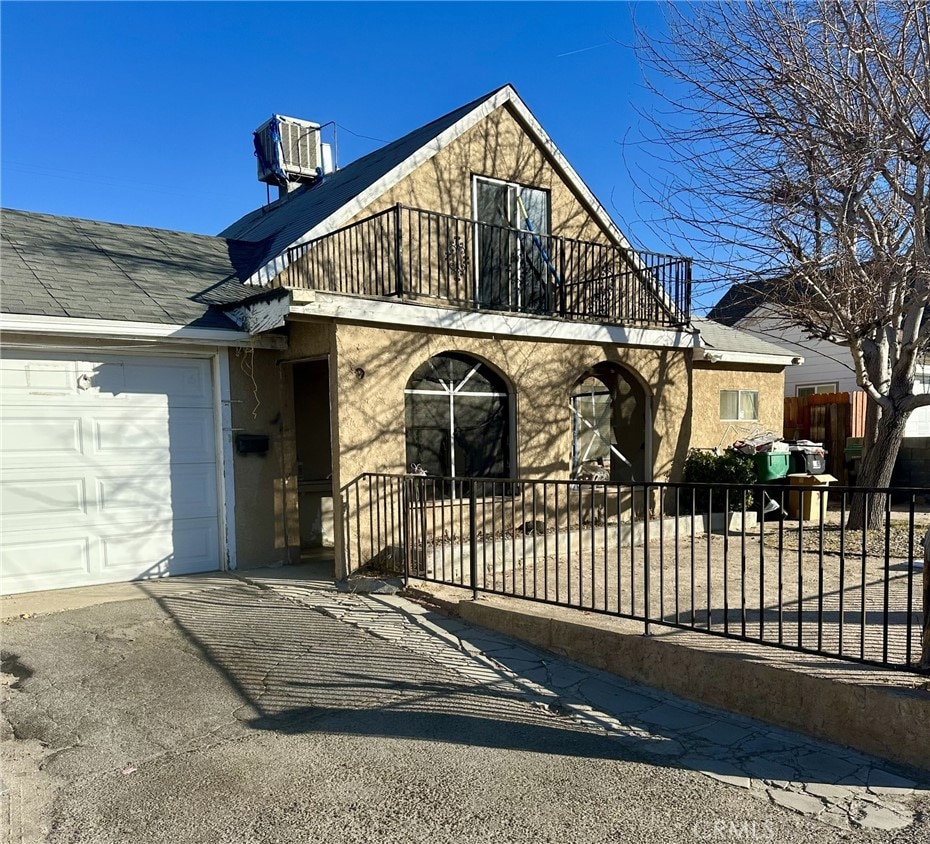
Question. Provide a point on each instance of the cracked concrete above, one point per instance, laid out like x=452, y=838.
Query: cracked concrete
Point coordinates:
x=270, y=710
x=840, y=786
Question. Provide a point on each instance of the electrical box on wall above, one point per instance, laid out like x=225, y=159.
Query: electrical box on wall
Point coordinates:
x=252, y=443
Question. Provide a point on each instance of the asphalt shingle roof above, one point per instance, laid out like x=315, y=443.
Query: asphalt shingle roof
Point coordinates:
x=68, y=267
x=727, y=339
x=739, y=301
x=275, y=227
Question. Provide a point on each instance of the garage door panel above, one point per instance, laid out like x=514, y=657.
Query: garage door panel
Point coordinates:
x=44, y=563
x=109, y=468
x=188, y=491
x=148, y=435
x=25, y=439
x=175, y=548
x=19, y=376
x=176, y=383
x=34, y=499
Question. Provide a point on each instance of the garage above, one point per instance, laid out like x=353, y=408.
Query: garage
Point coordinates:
x=109, y=468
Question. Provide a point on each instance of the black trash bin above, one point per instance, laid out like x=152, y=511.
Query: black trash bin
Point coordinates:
x=809, y=459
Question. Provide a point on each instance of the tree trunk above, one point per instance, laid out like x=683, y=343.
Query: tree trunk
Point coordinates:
x=875, y=471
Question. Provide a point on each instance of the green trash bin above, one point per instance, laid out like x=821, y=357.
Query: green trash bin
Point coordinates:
x=771, y=465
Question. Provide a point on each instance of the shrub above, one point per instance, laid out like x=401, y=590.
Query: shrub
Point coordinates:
x=731, y=467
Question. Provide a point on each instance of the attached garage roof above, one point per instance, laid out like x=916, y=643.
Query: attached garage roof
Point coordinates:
x=68, y=267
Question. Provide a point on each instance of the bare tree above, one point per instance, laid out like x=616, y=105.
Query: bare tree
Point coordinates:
x=796, y=144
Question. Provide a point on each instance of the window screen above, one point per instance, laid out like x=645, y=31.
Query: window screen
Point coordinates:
x=592, y=403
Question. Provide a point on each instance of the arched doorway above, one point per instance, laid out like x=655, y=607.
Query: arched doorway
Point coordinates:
x=611, y=417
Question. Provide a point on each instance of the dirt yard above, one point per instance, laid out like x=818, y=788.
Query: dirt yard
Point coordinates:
x=815, y=586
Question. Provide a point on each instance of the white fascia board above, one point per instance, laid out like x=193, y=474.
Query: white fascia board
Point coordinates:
x=710, y=355
x=141, y=331
x=405, y=315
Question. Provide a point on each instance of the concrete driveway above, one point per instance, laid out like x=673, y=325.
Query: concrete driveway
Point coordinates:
x=220, y=710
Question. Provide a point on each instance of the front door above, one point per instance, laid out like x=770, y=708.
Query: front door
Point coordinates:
x=513, y=247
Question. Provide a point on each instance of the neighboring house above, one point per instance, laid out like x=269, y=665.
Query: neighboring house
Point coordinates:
x=457, y=300
x=827, y=368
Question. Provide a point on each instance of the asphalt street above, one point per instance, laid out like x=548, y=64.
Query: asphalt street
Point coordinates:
x=243, y=712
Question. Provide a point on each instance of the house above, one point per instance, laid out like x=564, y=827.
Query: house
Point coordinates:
x=455, y=303
x=827, y=368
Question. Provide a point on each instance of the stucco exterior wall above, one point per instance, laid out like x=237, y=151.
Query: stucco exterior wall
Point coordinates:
x=261, y=386
x=541, y=375
x=707, y=429
x=497, y=147
x=261, y=493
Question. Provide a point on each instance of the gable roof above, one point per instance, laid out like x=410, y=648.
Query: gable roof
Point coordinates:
x=68, y=267
x=740, y=301
x=314, y=210
x=722, y=338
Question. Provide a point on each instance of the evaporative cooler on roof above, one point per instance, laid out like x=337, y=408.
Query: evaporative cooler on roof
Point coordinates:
x=290, y=150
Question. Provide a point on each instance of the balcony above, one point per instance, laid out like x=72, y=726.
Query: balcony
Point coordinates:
x=412, y=255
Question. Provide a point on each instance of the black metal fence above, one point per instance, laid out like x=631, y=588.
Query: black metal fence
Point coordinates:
x=771, y=564
x=412, y=254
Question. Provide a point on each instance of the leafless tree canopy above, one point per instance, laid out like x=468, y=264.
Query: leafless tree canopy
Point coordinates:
x=796, y=142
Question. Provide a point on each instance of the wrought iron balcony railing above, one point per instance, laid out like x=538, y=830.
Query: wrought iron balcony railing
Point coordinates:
x=424, y=256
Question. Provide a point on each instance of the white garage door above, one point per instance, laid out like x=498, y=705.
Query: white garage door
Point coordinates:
x=108, y=469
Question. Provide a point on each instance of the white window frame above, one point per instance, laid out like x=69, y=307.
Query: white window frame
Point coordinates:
x=739, y=406
x=833, y=386
x=511, y=210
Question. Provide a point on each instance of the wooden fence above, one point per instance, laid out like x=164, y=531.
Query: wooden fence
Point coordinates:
x=827, y=418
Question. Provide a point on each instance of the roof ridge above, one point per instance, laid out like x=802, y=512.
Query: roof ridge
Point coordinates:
x=69, y=218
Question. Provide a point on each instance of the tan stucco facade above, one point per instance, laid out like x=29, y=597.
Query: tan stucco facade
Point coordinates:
x=540, y=376
x=497, y=147
x=707, y=428
x=369, y=365
x=369, y=368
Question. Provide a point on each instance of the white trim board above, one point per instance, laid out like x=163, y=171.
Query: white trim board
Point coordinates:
x=226, y=481
x=136, y=331
x=711, y=355
x=405, y=315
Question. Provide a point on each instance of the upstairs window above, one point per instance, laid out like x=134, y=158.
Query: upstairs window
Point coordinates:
x=457, y=415
x=512, y=241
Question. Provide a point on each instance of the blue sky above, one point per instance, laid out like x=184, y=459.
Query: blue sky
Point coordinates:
x=142, y=113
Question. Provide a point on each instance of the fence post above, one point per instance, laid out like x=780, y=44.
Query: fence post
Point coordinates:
x=398, y=253
x=404, y=527
x=647, y=605
x=472, y=541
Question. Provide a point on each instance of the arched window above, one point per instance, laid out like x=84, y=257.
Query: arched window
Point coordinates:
x=457, y=413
